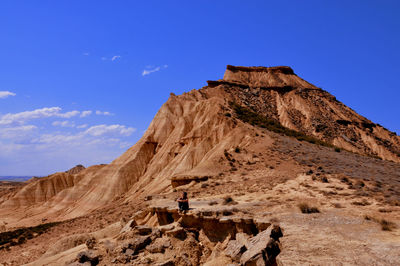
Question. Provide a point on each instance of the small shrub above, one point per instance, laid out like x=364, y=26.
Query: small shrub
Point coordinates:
x=211, y=203
x=305, y=208
x=228, y=114
x=228, y=200
x=360, y=184
x=361, y=203
x=324, y=179
x=387, y=225
x=237, y=150
x=345, y=180
x=337, y=149
x=368, y=218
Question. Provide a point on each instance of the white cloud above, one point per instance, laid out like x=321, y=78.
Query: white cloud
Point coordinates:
x=24, y=145
x=63, y=123
x=115, y=57
x=99, y=133
x=100, y=130
x=5, y=94
x=86, y=113
x=104, y=58
x=82, y=126
x=69, y=114
x=151, y=69
x=102, y=113
x=46, y=112
x=16, y=132
x=86, y=54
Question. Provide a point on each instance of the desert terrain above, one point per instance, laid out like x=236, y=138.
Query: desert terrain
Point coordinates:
x=277, y=170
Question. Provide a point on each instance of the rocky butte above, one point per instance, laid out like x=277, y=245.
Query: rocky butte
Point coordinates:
x=278, y=172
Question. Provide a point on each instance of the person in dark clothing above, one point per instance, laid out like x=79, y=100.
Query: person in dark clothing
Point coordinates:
x=183, y=202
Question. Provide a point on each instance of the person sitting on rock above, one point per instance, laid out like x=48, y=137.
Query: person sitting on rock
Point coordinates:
x=183, y=202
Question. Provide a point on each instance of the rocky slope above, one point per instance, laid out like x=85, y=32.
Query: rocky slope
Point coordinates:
x=281, y=95
x=261, y=134
x=189, y=134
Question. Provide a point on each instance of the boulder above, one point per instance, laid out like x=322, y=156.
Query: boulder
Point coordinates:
x=177, y=232
x=156, y=233
x=128, y=227
x=155, y=248
x=235, y=249
x=129, y=252
x=143, y=230
x=88, y=257
x=262, y=247
x=136, y=244
x=167, y=227
x=159, y=245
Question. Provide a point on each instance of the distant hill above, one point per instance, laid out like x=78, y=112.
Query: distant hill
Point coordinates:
x=15, y=178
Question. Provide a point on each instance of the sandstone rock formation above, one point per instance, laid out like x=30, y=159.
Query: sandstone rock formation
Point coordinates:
x=190, y=133
x=262, y=134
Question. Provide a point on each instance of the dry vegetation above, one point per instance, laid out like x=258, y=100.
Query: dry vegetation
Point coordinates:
x=248, y=116
x=305, y=208
x=386, y=225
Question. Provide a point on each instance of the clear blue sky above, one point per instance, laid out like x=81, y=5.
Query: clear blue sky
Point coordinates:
x=123, y=58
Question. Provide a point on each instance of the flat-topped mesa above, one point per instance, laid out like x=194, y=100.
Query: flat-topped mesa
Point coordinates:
x=263, y=77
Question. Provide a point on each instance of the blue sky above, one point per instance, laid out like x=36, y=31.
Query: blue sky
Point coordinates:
x=119, y=60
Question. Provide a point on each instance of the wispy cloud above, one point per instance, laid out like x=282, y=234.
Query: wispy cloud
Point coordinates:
x=16, y=132
x=82, y=126
x=86, y=113
x=65, y=123
x=98, y=134
x=5, y=94
x=115, y=57
x=68, y=114
x=100, y=130
x=31, y=137
x=22, y=117
x=102, y=113
x=86, y=54
x=152, y=70
x=104, y=58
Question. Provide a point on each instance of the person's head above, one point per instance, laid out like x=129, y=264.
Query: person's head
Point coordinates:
x=184, y=194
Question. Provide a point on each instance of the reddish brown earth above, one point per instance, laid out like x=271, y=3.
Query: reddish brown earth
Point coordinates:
x=346, y=166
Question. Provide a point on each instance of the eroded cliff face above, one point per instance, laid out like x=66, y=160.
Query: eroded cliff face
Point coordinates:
x=187, y=139
x=279, y=94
